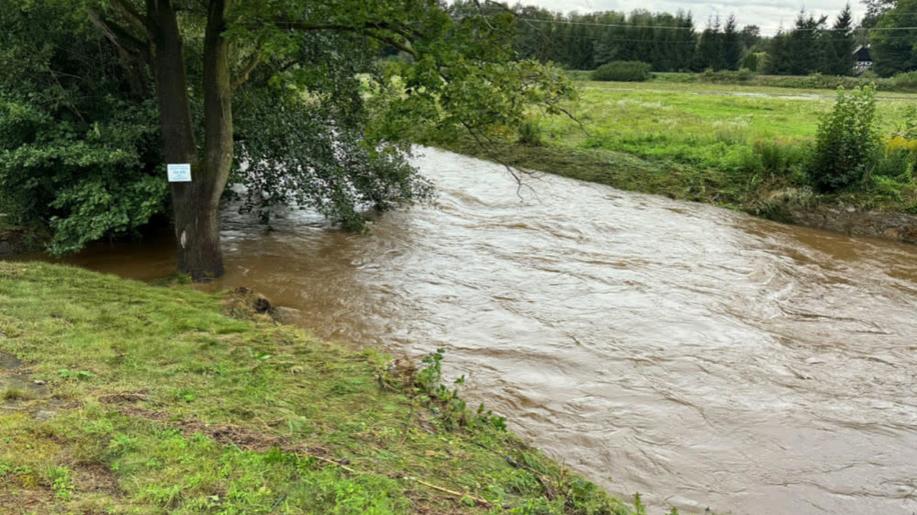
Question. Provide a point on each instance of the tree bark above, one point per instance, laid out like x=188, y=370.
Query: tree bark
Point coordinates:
x=196, y=203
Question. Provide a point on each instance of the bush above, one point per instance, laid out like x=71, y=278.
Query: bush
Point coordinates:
x=623, y=71
x=83, y=183
x=531, y=134
x=727, y=76
x=755, y=61
x=847, y=143
x=905, y=81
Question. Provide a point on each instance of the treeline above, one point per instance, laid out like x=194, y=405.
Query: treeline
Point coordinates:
x=671, y=42
x=811, y=46
x=586, y=41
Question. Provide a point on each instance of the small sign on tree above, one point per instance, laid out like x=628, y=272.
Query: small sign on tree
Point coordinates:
x=179, y=172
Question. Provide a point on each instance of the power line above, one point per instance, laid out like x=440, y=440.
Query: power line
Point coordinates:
x=692, y=28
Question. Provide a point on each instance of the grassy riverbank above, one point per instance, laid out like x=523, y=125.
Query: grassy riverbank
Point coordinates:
x=128, y=397
x=738, y=148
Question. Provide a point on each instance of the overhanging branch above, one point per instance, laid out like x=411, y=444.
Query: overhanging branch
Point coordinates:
x=134, y=17
x=119, y=36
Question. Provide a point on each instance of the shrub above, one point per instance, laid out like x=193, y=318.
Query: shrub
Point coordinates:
x=79, y=153
x=905, y=81
x=728, y=76
x=623, y=71
x=530, y=134
x=847, y=143
x=908, y=129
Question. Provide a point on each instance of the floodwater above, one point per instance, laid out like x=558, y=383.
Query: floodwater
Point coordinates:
x=701, y=357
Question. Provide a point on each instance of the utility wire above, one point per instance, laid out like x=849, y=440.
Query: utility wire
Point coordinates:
x=692, y=28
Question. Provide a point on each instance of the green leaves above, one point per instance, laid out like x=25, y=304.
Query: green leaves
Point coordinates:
x=329, y=97
x=894, y=47
x=847, y=142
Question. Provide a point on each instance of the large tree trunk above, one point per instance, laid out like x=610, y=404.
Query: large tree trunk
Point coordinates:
x=195, y=204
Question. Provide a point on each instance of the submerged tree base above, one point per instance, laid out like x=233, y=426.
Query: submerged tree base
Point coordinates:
x=119, y=396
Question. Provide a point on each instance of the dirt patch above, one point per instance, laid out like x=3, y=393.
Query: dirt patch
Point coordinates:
x=9, y=362
x=16, y=386
x=23, y=500
x=226, y=434
x=124, y=397
x=95, y=477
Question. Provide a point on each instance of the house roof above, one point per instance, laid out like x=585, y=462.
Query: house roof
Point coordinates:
x=862, y=54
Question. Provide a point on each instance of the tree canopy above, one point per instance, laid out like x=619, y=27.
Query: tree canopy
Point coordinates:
x=894, y=37
x=307, y=103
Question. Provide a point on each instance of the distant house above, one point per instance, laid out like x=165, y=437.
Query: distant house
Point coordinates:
x=863, y=58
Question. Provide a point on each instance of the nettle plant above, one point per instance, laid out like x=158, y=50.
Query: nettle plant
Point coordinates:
x=847, y=143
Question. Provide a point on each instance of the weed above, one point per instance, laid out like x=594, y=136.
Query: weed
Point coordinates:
x=446, y=401
x=61, y=482
x=81, y=375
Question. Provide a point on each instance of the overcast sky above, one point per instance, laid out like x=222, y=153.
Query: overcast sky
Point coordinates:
x=768, y=14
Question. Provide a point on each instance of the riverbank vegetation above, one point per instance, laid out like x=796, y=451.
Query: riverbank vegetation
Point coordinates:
x=752, y=149
x=125, y=397
x=97, y=97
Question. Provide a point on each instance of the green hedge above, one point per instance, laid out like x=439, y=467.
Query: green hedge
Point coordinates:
x=623, y=71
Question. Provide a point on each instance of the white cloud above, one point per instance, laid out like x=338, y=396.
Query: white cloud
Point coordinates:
x=768, y=14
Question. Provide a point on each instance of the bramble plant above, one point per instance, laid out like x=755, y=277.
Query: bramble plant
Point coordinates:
x=847, y=142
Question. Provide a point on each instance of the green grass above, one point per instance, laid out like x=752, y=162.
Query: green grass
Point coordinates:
x=731, y=146
x=745, y=78
x=154, y=400
x=702, y=125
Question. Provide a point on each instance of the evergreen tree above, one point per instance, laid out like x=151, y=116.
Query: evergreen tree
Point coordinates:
x=732, y=46
x=710, y=48
x=750, y=37
x=804, y=48
x=779, y=57
x=840, y=45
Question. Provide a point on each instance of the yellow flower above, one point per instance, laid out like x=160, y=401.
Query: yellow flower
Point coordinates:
x=901, y=143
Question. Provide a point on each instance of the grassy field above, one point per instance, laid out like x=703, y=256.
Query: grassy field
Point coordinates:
x=118, y=397
x=702, y=125
x=744, y=78
x=723, y=144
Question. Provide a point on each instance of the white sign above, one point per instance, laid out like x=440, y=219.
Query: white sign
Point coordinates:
x=180, y=172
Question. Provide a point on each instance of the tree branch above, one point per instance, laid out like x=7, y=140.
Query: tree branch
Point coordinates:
x=119, y=36
x=247, y=69
x=134, y=17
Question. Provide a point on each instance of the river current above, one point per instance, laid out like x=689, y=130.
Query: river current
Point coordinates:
x=702, y=357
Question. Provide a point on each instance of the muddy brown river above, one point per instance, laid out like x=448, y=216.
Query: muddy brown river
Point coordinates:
x=699, y=356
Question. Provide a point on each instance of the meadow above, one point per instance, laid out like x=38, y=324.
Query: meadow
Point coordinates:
x=702, y=125
x=724, y=144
